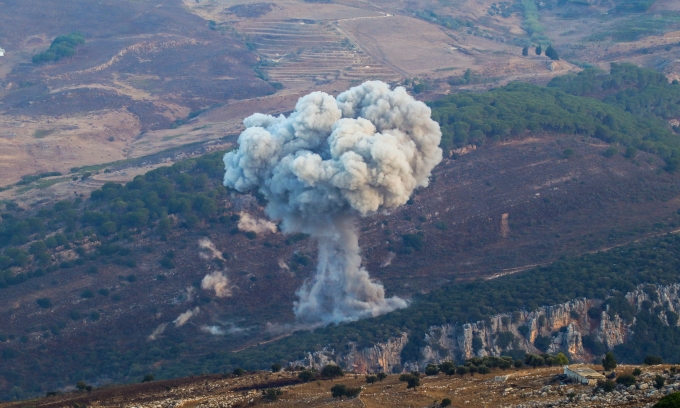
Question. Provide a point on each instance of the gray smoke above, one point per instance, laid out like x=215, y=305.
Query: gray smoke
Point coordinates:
x=218, y=282
x=330, y=161
x=256, y=225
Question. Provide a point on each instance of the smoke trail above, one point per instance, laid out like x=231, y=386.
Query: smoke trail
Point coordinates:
x=158, y=331
x=256, y=225
x=208, y=250
x=218, y=282
x=330, y=161
x=184, y=317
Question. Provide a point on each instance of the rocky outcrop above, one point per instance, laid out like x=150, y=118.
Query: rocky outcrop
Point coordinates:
x=560, y=327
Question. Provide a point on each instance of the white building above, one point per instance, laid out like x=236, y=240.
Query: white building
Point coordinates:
x=2, y=52
x=583, y=374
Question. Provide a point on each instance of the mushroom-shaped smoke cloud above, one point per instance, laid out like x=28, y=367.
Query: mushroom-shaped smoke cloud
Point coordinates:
x=330, y=161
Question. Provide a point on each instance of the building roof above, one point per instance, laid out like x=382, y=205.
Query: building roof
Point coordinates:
x=585, y=371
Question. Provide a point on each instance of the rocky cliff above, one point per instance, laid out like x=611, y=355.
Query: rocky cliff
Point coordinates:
x=557, y=328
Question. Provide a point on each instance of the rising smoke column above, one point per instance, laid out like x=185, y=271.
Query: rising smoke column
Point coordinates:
x=329, y=162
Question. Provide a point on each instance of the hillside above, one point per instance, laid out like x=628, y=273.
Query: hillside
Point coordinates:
x=110, y=286
x=537, y=387
x=152, y=77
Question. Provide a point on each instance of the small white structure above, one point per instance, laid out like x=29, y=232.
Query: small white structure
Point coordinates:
x=583, y=374
x=2, y=52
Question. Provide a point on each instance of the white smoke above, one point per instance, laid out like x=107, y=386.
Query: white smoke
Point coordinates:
x=158, y=331
x=330, y=161
x=218, y=282
x=283, y=265
x=256, y=225
x=184, y=317
x=214, y=330
x=388, y=261
x=208, y=250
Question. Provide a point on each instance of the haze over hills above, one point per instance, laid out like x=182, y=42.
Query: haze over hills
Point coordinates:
x=172, y=274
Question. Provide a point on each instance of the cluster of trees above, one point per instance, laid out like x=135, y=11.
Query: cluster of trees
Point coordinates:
x=633, y=6
x=188, y=190
x=484, y=365
x=62, y=47
x=550, y=52
x=632, y=113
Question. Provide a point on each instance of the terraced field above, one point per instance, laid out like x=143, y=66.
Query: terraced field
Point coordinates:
x=298, y=53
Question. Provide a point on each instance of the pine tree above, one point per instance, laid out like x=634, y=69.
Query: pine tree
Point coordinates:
x=539, y=49
x=551, y=53
x=525, y=51
x=609, y=362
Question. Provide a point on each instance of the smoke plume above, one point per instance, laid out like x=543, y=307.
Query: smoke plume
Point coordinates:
x=256, y=225
x=158, y=331
x=333, y=160
x=208, y=250
x=184, y=317
x=218, y=282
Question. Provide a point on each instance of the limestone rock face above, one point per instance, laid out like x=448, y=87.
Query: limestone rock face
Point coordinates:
x=564, y=325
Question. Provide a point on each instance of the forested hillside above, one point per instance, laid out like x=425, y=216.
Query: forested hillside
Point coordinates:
x=162, y=207
x=629, y=106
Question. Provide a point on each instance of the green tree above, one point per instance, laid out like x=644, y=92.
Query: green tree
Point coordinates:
x=653, y=360
x=370, y=379
x=382, y=376
x=238, y=371
x=659, y=382
x=525, y=51
x=332, y=371
x=539, y=49
x=413, y=382
x=431, y=369
x=338, y=390
x=446, y=402
x=461, y=370
x=148, y=378
x=609, y=362
x=276, y=367
x=306, y=376
x=669, y=401
x=626, y=379
x=551, y=53
x=561, y=359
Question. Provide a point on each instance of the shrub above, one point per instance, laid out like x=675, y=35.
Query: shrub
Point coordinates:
x=382, y=376
x=637, y=371
x=413, y=382
x=87, y=294
x=45, y=303
x=431, y=369
x=370, y=379
x=238, y=371
x=338, y=390
x=610, y=152
x=272, y=394
x=626, y=379
x=669, y=401
x=332, y=371
x=276, y=367
x=306, y=376
x=446, y=402
x=653, y=360
x=148, y=378
x=659, y=382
